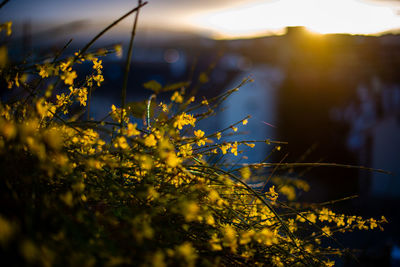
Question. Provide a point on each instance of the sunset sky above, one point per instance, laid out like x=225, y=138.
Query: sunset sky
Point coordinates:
x=221, y=18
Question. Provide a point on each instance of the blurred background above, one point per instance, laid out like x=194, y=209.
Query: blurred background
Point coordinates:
x=326, y=80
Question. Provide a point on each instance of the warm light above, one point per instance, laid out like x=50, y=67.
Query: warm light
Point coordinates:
x=322, y=16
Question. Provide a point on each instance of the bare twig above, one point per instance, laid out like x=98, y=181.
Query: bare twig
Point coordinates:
x=272, y=173
x=89, y=101
x=3, y=3
x=323, y=164
x=128, y=61
x=88, y=45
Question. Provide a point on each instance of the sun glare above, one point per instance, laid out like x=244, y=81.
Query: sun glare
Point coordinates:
x=322, y=16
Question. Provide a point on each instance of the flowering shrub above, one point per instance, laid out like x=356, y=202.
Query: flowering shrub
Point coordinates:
x=112, y=192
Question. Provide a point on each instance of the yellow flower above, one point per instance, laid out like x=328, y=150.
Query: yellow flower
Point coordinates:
x=150, y=140
x=199, y=133
x=172, y=160
x=245, y=122
x=277, y=261
x=185, y=150
x=326, y=215
x=288, y=191
x=234, y=129
x=250, y=145
x=30, y=251
x=219, y=135
x=213, y=195
x=176, y=97
x=164, y=107
x=229, y=233
x=372, y=223
x=323, y=215
x=64, y=66
x=312, y=217
x=225, y=147
x=98, y=78
x=43, y=72
x=215, y=243
x=246, y=237
x=184, y=119
x=188, y=253
x=267, y=237
x=350, y=219
x=97, y=63
x=145, y=162
x=245, y=172
x=67, y=198
x=118, y=50
x=229, y=239
x=8, y=26
x=16, y=80
x=158, y=258
x=300, y=218
x=326, y=230
x=201, y=142
x=41, y=107
x=69, y=77
x=121, y=143
x=210, y=220
x=340, y=221
x=116, y=114
x=361, y=225
x=190, y=210
x=132, y=130
x=234, y=148
x=62, y=100
x=82, y=96
x=272, y=195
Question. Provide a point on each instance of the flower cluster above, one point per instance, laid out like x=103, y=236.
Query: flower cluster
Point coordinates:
x=161, y=193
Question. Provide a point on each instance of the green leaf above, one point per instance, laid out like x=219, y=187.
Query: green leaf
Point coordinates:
x=153, y=86
x=157, y=87
x=138, y=109
x=175, y=86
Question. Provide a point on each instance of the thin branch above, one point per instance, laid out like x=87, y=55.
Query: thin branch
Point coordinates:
x=322, y=164
x=272, y=173
x=316, y=164
x=3, y=3
x=89, y=101
x=88, y=45
x=128, y=61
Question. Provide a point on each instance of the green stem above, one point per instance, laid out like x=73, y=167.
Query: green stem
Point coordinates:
x=148, y=109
